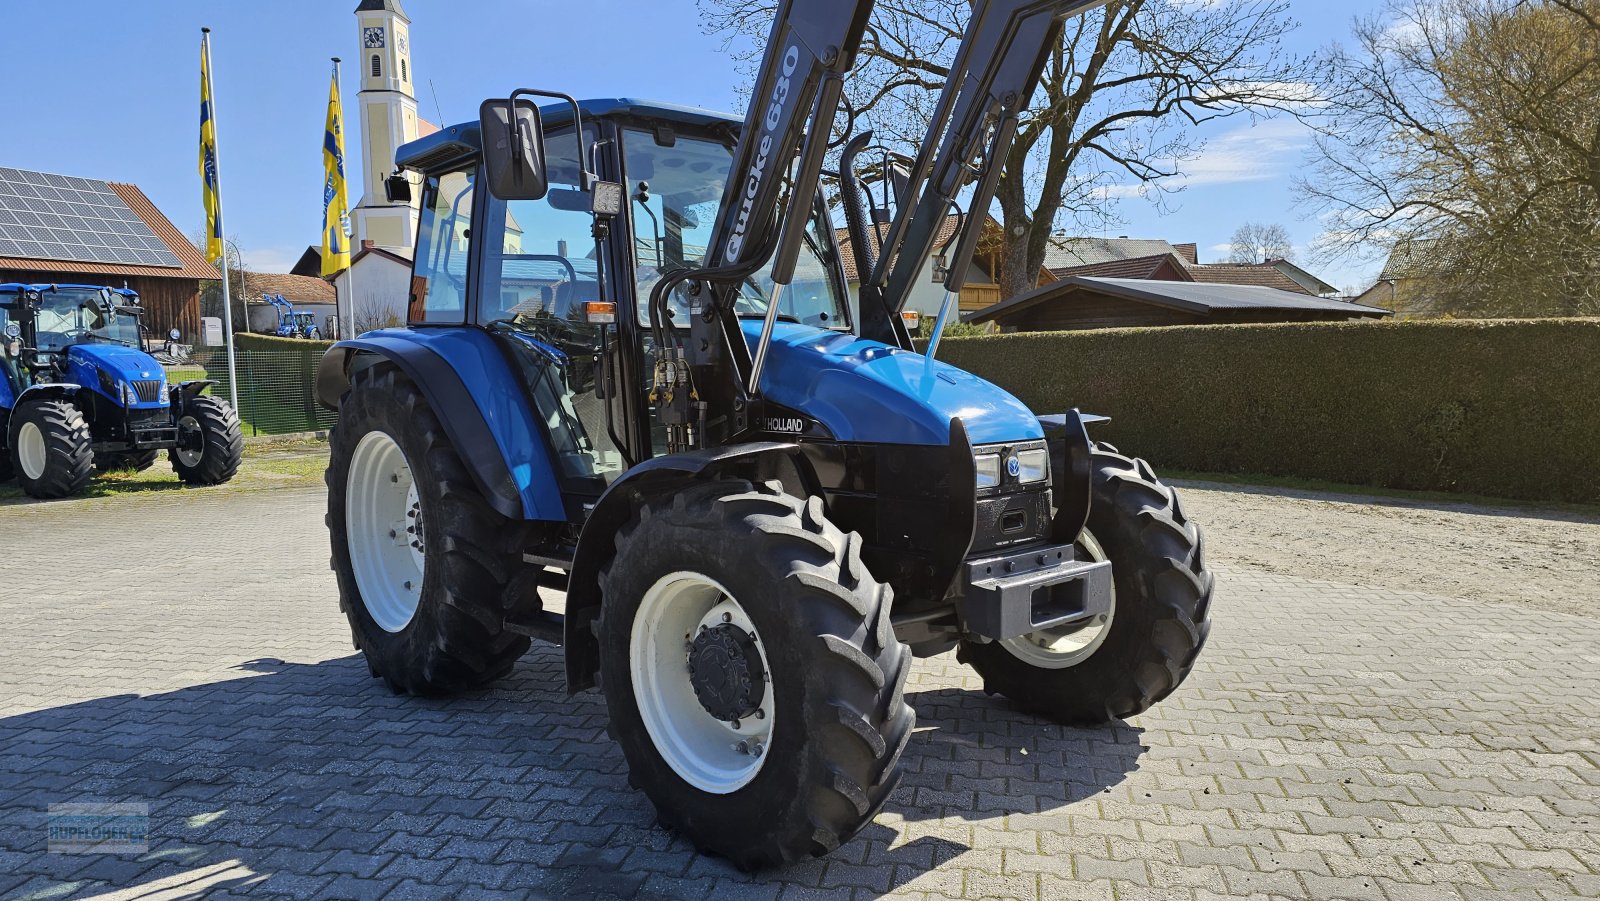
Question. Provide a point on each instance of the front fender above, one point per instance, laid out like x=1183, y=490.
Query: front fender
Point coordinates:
x=652, y=478
x=49, y=391
x=1072, y=471
x=479, y=401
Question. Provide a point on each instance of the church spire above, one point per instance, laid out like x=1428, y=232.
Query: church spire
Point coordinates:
x=388, y=107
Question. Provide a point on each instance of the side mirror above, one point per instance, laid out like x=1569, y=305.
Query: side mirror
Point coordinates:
x=513, y=149
x=397, y=188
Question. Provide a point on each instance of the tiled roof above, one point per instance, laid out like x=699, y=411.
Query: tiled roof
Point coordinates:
x=1264, y=275
x=1189, y=297
x=1138, y=267
x=847, y=253
x=294, y=288
x=194, y=262
x=1069, y=253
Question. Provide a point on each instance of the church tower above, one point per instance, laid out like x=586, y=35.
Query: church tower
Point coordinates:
x=388, y=105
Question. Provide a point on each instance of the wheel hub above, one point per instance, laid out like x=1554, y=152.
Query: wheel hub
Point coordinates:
x=726, y=672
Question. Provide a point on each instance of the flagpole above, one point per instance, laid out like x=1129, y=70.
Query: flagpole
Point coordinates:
x=347, y=325
x=222, y=261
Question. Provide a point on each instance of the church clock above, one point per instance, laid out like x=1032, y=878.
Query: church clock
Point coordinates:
x=373, y=38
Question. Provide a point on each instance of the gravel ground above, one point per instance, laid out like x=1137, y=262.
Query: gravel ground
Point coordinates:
x=1538, y=556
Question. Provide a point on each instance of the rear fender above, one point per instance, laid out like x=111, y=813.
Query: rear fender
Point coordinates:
x=477, y=398
x=657, y=477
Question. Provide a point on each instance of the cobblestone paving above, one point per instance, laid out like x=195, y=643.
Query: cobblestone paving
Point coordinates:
x=1335, y=742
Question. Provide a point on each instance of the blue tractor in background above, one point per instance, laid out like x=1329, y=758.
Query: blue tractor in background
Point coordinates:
x=633, y=372
x=78, y=393
x=290, y=323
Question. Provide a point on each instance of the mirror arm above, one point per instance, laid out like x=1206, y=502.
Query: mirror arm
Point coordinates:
x=586, y=178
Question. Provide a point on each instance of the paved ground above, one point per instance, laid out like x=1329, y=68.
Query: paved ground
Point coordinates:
x=1338, y=740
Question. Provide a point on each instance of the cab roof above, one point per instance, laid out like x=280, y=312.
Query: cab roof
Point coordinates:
x=19, y=287
x=457, y=142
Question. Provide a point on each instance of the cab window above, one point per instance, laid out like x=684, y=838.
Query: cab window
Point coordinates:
x=439, y=279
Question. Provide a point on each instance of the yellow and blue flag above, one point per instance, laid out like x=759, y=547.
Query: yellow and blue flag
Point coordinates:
x=208, y=157
x=335, y=196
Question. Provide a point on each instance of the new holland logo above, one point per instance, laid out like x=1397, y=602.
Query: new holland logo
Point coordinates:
x=1013, y=467
x=793, y=426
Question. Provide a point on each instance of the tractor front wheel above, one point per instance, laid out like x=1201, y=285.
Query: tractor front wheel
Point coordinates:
x=209, y=444
x=751, y=672
x=48, y=443
x=425, y=566
x=1146, y=645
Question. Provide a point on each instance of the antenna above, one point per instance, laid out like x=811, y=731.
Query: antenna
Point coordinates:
x=438, y=110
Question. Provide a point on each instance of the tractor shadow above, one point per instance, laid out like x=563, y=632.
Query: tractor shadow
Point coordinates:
x=294, y=775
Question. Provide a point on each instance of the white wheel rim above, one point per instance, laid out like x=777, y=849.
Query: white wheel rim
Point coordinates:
x=31, y=451
x=190, y=457
x=708, y=753
x=384, y=528
x=1062, y=649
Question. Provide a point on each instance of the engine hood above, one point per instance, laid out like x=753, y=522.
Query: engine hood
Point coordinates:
x=114, y=359
x=870, y=392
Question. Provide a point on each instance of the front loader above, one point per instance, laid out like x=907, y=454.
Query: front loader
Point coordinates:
x=633, y=373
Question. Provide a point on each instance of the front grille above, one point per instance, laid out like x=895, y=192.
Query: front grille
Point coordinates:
x=150, y=419
x=148, y=390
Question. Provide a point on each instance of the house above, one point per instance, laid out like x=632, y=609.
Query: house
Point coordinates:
x=1401, y=286
x=1085, y=302
x=927, y=294
x=377, y=285
x=308, y=294
x=63, y=229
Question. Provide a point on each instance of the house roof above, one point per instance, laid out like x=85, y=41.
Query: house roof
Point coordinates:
x=1262, y=275
x=1187, y=297
x=191, y=262
x=847, y=252
x=294, y=288
x=1069, y=253
x=1137, y=268
x=371, y=6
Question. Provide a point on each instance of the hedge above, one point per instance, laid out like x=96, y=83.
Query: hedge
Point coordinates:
x=277, y=379
x=1507, y=408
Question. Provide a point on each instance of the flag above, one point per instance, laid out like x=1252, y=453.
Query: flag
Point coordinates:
x=208, y=158
x=335, y=196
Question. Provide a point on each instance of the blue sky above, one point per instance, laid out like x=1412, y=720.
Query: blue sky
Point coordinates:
x=129, y=112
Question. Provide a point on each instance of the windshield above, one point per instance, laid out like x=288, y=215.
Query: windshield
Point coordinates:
x=674, y=192
x=79, y=315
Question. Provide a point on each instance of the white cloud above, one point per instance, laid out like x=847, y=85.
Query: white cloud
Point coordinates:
x=1260, y=152
x=270, y=259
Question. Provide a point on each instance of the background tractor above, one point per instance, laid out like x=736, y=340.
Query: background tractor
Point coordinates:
x=633, y=372
x=292, y=324
x=78, y=393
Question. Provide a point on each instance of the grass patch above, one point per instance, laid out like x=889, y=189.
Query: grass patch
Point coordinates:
x=295, y=463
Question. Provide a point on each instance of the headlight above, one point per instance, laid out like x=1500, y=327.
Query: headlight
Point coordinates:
x=1035, y=465
x=129, y=396
x=988, y=470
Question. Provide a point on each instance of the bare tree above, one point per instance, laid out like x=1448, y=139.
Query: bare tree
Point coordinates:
x=1117, y=101
x=1463, y=136
x=239, y=284
x=1255, y=242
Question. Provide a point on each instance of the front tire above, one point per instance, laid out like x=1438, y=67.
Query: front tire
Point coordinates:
x=49, y=450
x=731, y=603
x=1158, y=622
x=425, y=566
x=209, y=443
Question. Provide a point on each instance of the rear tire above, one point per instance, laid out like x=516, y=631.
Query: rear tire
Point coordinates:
x=1158, y=623
x=47, y=443
x=832, y=719
x=209, y=444
x=440, y=627
x=125, y=461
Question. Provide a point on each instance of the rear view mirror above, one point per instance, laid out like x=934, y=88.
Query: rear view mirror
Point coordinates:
x=513, y=150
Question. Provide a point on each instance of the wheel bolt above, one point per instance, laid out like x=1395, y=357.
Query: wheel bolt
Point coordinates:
x=760, y=714
x=727, y=617
x=408, y=586
x=734, y=723
x=744, y=747
x=393, y=533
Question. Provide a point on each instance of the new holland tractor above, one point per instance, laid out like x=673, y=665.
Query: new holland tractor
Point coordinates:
x=78, y=393
x=633, y=373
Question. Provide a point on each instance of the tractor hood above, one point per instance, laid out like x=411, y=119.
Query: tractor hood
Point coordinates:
x=102, y=366
x=870, y=392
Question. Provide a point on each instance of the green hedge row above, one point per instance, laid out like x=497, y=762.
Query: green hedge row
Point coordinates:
x=1500, y=408
x=277, y=379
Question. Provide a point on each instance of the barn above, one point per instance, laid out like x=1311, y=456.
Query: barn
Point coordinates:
x=62, y=229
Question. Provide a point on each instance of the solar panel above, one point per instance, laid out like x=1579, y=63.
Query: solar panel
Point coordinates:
x=59, y=217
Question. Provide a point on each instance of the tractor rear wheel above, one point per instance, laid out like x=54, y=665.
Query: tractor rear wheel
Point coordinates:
x=425, y=566
x=1148, y=643
x=48, y=443
x=751, y=672
x=209, y=444
x=122, y=461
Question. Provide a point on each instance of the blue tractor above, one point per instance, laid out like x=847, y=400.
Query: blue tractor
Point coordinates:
x=78, y=393
x=633, y=372
x=290, y=323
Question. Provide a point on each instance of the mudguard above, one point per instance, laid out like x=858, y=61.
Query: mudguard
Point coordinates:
x=180, y=394
x=471, y=388
x=598, y=541
x=1072, y=484
x=49, y=391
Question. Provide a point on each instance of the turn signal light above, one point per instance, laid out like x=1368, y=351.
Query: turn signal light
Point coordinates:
x=599, y=313
x=912, y=319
